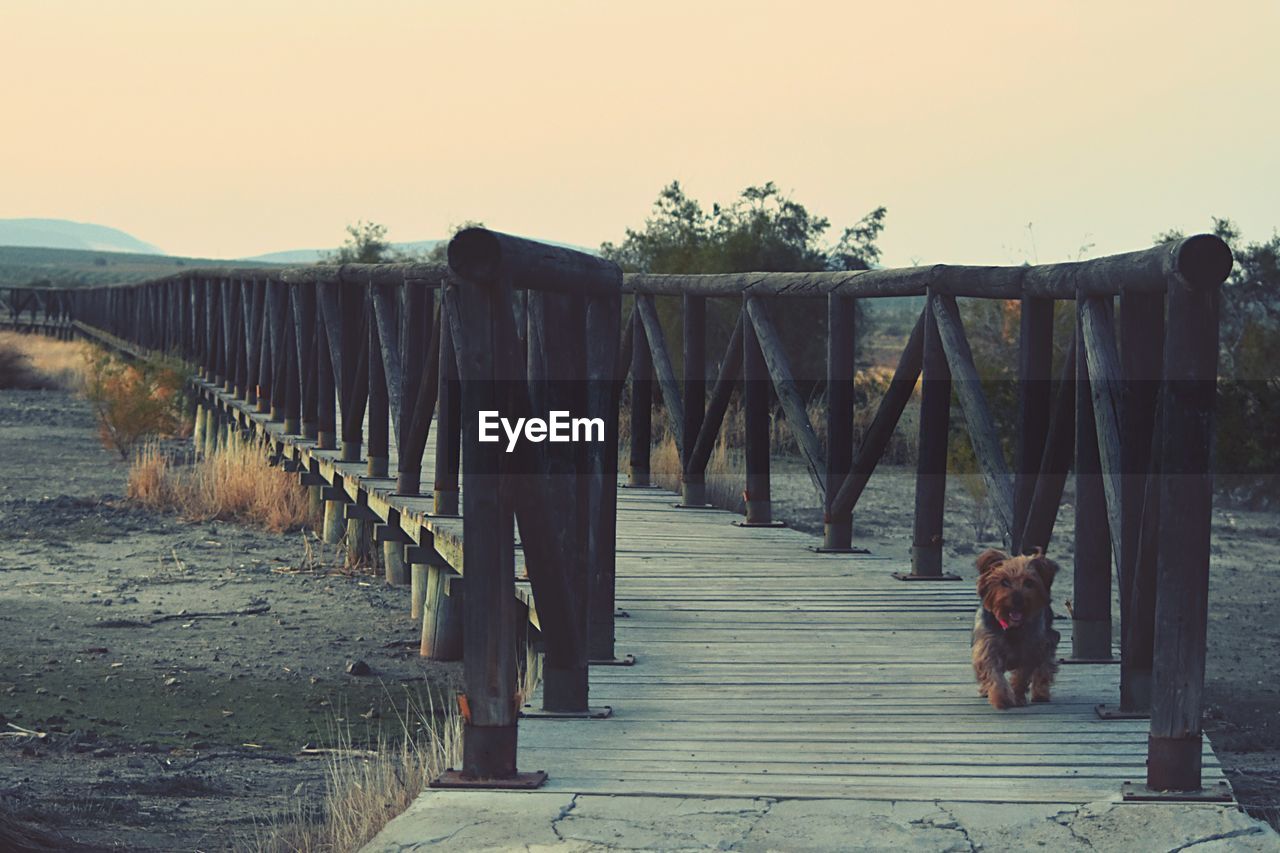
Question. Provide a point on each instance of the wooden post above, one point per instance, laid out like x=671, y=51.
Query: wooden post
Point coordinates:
x=604, y=317
x=1186, y=504
x=1141, y=348
x=448, y=419
x=693, y=486
x=303, y=302
x=931, y=463
x=266, y=378
x=352, y=338
x=411, y=344
x=292, y=381
x=837, y=529
x=326, y=390
x=379, y=453
x=557, y=326
x=197, y=429
x=755, y=413
x=672, y=405
x=1046, y=494
x=442, y=615
x=227, y=334
x=1035, y=396
x=784, y=385
x=555, y=546
x=1091, y=612
x=896, y=396
x=721, y=394
x=641, y=405
x=978, y=421
x=489, y=653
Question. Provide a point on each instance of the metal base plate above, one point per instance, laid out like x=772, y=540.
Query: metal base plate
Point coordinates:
x=759, y=524
x=695, y=506
x=907, y=576
x=1115, y=661
x=1138, y=792
x=519, y=782
x=601, y=713
x=625, y=660
x=818, y=549
x=1115, y=712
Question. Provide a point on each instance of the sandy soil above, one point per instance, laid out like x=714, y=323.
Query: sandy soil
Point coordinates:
x=168, y=729
x=1242, y=714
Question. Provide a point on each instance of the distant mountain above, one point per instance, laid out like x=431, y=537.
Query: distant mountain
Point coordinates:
x=23, y=265
x=65, y=234
x=416, y=247
x=312, y=256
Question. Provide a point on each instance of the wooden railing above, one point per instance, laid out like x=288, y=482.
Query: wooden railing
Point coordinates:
x=521, y=327
x=36, y=309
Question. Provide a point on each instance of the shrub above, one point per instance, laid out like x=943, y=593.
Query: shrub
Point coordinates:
x=16, y=370
x=135, y=400
x=235, y=484
x=37, y=362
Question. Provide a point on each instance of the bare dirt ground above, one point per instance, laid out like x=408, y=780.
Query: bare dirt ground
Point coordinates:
x=162, y=728
x=1242, y=715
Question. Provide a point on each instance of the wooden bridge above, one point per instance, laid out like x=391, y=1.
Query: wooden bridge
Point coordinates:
x=762, y=666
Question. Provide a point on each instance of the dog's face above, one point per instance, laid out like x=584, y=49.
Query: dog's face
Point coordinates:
x=1014, y=589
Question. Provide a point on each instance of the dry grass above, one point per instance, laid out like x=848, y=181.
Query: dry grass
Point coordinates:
x=35, y=361
x=726, y=473
x=726, y=470
x=870, y=385
x=365, y=789
x=235, y=484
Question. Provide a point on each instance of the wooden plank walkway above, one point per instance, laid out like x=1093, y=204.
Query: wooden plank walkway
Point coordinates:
x=767, y=670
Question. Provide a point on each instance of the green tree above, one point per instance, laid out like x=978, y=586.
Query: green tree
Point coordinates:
x=366, y=243
x=763, y=230
x=1248, y=416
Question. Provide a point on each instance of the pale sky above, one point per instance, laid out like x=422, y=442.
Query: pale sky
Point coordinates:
x=224, y=129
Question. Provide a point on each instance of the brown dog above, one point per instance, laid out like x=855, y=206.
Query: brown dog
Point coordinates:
x=1013, y=630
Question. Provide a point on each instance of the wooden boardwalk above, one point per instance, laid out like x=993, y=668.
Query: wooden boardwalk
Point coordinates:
x=767, y=670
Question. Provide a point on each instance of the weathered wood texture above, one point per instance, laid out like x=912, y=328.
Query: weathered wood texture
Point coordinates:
x=784, y=385
x=814, y=688
x=1186, y=503
x=980, y=424
x=1199, y=259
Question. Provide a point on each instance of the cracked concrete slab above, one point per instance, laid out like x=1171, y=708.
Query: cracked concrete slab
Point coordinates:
x=662, y=823
x=476, y=820
x=855, y=825
x=577, y=823
x=1167, y=826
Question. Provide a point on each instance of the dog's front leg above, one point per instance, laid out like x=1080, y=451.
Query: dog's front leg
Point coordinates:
x=999, y=693
x=1018, y=680
x=988, y=668
x=1042, y=679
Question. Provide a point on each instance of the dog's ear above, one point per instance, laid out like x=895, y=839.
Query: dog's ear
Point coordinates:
x=989, y=559
x=1044, y=567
